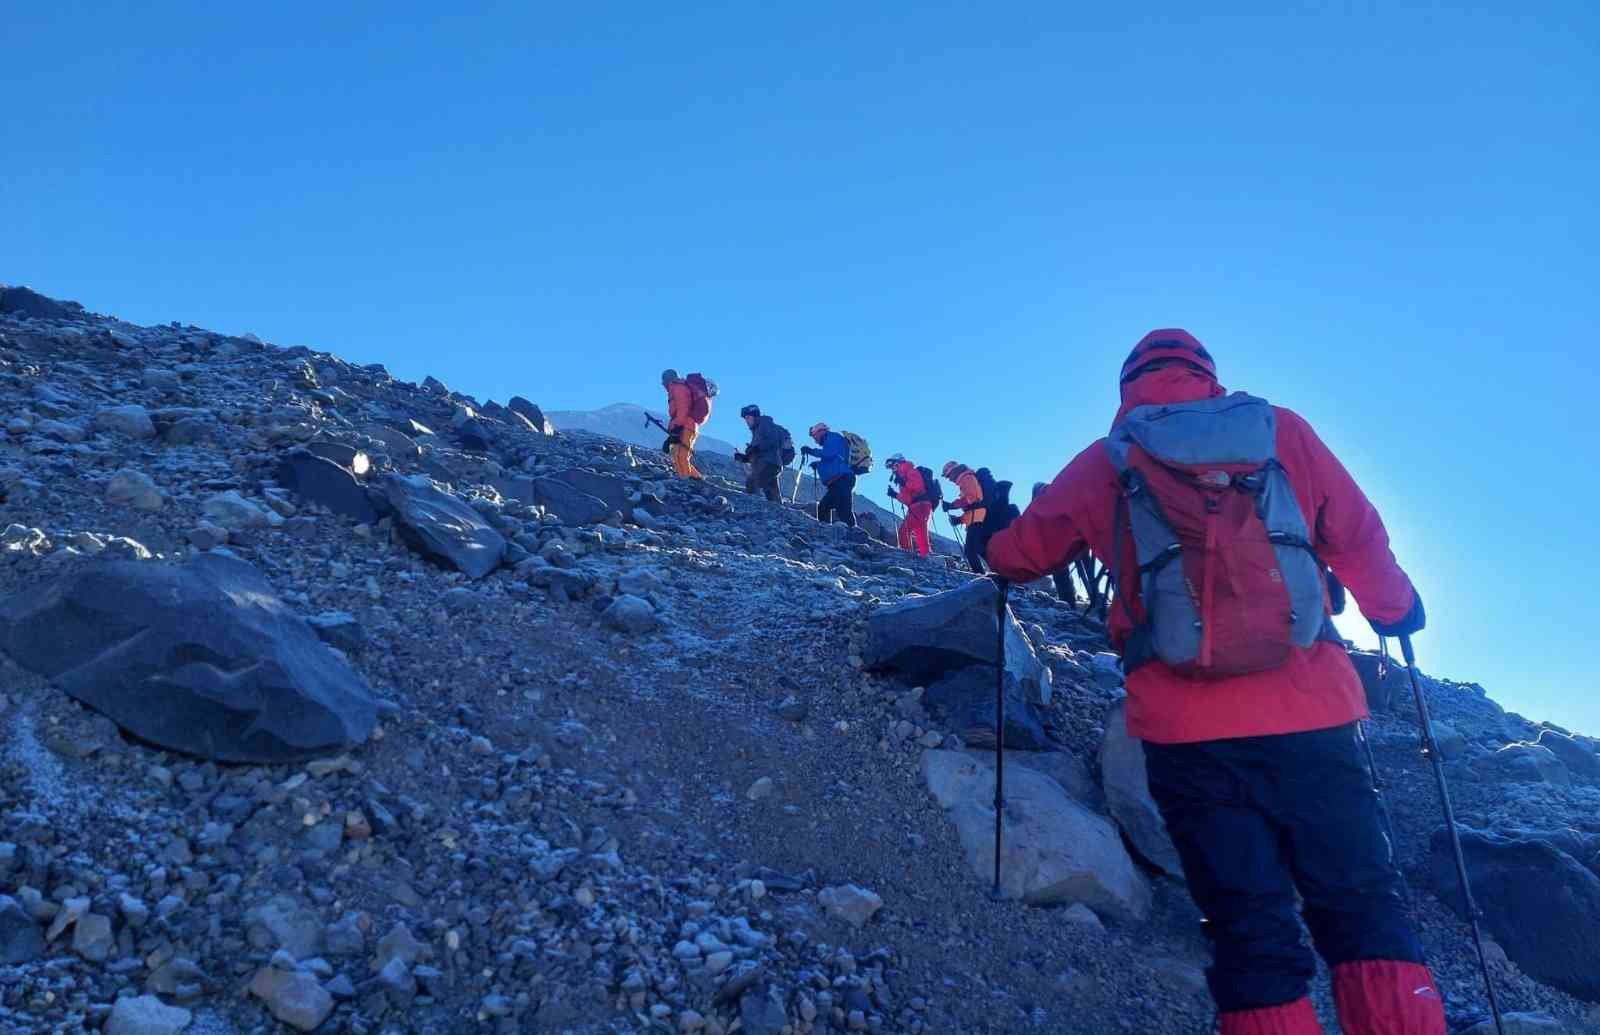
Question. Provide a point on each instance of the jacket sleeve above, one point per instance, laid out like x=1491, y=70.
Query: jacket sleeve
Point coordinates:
x=1046, y=538
x=1350, y=537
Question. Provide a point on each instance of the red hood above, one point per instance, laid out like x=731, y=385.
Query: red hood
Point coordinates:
x=1174, y=384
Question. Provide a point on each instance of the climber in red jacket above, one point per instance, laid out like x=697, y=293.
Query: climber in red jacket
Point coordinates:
x=1216, y=513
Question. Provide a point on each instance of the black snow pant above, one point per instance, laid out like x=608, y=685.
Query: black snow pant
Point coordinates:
x=1255, y=819
x=838, y=503
x=977, y=547
x=763, y=479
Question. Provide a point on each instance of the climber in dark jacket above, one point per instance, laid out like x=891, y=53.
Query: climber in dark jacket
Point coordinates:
x=765, y=454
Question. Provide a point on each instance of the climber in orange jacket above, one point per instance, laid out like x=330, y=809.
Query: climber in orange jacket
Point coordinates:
x=910, y=487
x=1241, y=687
x=688, y=407
x=970, y=517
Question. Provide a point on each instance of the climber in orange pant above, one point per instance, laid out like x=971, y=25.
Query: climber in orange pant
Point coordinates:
x=688, y=407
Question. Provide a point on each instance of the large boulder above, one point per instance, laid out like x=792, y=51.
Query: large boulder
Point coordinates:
x=442, y=528
x=1127, y=788
x=963, y=702
x=1540, y=904
x=572, y=504
x=924, y=638
x=21, y=301
x=200, y=658
x=608, y=489
x=1525, y=763
x=1053, y=850
x=1578, y=757
x=534, y=416
x=394, y=442
x=325, y=483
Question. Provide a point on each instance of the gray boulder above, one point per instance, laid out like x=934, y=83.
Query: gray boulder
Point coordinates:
x=442, y=528
x=1127, y=789
x=348, y=457
x=532, y=414
x=1579, y=759
x=571, y=504
x=146, y=1015
x=393, y=441
x=21, y=301
x=21, y=940
x=131, y=421
x=1540, y=904
x=631, y=614
x=608, y=489
x=1053, y=850
x=963, y=702
x=1525, y=763
x=924, y=638
x=319, y=480
x=200, y=658
x=1519, y=1024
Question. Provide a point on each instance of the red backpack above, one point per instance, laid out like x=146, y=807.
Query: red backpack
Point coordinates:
x=1228, y=580
x=701, y=391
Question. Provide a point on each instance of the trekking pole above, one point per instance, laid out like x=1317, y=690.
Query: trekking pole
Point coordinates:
x=1001, y=588
x=1430, y=748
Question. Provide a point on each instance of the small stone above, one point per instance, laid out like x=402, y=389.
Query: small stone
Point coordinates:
x=91, y=937
x=21, y=941
x=237, y=514
x=206, y=536
x=146, y=1015
x=854, y=905
x=717, y=962
x=762, y=788
x=294, y=997
x=631, y=614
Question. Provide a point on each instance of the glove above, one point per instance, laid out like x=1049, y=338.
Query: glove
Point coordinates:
x=955, y=522
x=741, y=458
x=806, y=451
x=816, y=466
x=948, y=507
x=668, y=443
x=891, y=494
x=1415, y=620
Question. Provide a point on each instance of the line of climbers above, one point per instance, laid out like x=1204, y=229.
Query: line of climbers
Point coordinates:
x=1239, y=532
x=982, y=507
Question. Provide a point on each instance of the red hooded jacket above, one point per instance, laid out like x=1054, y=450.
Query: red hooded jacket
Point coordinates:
x=912, y=487
x=1318, y=687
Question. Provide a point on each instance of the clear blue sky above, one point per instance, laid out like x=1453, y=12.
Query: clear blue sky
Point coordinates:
x=940, y=225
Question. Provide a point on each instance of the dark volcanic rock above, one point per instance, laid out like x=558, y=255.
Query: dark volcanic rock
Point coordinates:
x=200, y=658
x=532, y=413
x=608, y=489
x=319, y=480
x=475, y=436
x=926, y=637
x=21, y=939
x=572, y=505
x=29, y=303
x=1579, y=759
x=442, y=528
x=348, y=457
x=1540, y=904
x=963, y=701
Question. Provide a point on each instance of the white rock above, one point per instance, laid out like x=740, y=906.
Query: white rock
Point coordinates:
x=854, y=905
x=1127, y=790
x=237, y=514
x=146, y=1015
x=1053, y=850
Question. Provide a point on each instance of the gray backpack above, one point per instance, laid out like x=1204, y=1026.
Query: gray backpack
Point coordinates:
x=1229, y=582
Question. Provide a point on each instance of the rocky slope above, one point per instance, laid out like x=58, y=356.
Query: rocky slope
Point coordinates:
x=416, y=718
